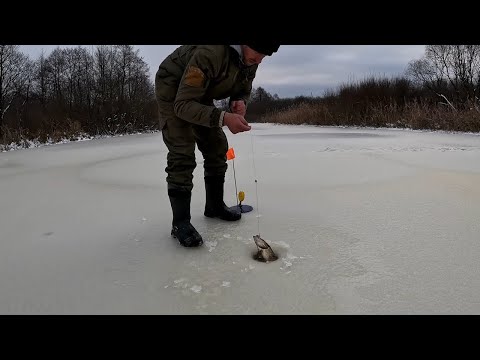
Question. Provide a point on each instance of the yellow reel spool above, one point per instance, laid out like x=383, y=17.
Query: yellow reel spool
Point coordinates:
x=241, y=196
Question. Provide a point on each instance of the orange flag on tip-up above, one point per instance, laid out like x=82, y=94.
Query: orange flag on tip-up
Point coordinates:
x=230, y=154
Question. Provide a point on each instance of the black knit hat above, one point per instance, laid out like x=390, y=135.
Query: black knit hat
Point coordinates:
x=265, y=49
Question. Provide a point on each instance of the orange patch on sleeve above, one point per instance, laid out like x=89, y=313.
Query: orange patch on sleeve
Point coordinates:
x=194, y=76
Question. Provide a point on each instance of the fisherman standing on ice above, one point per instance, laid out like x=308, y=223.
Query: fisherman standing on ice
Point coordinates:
x=186, y=84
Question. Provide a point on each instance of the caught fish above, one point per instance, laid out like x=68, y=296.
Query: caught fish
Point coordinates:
x=265, y=252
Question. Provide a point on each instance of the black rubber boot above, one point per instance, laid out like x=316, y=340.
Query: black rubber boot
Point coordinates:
x=182, y=229
x=214, y=205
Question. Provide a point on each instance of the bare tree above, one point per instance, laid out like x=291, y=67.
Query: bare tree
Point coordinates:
x=452, y=68
x=56, y=67
x=13, y=77
x=106, y=83
x=41, y=80
x=123, y=68
x=260, y=95
x=25, y=89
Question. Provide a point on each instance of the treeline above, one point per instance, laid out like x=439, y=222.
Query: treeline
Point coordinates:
x=103, y=90
x=106, y=90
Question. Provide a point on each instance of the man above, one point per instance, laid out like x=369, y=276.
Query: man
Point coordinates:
x=186, y=84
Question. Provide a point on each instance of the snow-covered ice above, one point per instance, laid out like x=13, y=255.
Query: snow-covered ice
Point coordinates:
x=364, y=221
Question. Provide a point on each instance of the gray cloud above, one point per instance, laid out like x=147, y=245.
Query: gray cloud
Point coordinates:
x=302, y=69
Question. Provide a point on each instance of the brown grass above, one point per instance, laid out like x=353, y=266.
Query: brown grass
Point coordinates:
x=381, y=103
x=22, y=138
x=413, y=115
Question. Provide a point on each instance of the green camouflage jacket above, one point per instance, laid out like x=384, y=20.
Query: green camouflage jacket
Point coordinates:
x=193, y=76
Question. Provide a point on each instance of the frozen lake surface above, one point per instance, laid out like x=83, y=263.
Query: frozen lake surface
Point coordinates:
x=365, y=221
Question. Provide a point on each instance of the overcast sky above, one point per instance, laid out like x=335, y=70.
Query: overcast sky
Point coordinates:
x=301, y=69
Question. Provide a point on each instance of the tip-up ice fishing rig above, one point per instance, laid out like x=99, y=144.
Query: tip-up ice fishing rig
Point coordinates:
x=240, y=196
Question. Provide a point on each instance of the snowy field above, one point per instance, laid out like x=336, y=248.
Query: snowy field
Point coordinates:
x=364, y=221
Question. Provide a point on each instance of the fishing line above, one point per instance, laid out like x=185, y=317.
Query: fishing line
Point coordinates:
x=235, y=178
x=256, y=183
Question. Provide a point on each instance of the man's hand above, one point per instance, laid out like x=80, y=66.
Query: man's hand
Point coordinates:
x=238, y=107
x=236, y=123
